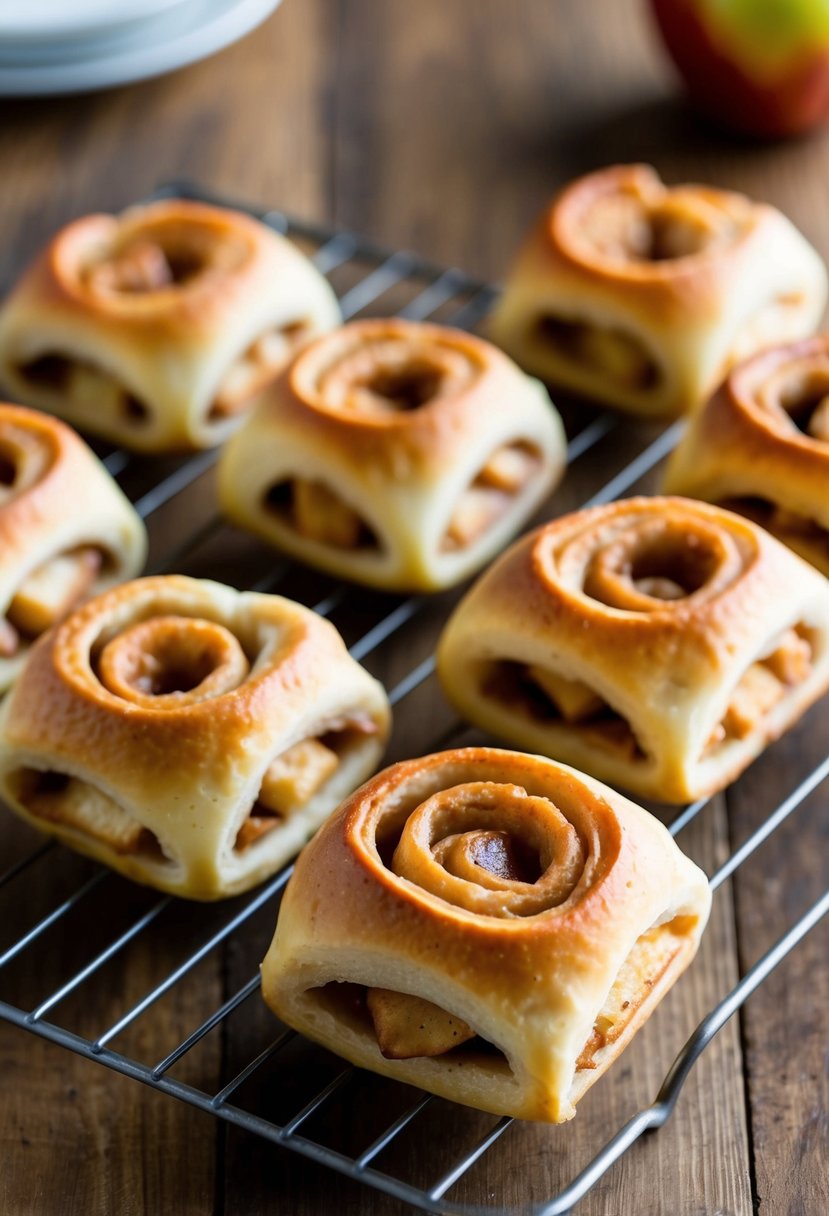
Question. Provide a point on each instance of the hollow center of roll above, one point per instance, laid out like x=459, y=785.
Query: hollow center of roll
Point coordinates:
x=387, y=375
x=491, y=848
x=804, y=397
x=164, y=253
x=8, y=466
x=25, y=455
x=407, y=387
x=503, y=855
x=655, y=561
x=172, y=660
x=625, y=226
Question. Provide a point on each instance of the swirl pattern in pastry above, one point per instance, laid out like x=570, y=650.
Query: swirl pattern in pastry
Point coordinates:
x=156, y=328
x=659, y=643
x=642, y=296
x=398, y=454
x=493, y=927
x=760, y=446
x=66, y=530
x=188, y=735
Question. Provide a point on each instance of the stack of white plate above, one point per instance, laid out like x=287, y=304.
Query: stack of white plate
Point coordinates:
x=70, y=46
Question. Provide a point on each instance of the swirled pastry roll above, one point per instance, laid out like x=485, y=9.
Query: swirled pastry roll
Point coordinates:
x=156, y=328
x=394, y=453
x=761, y=447
x=493, y=927
x=188, y=735
x=658, y=643
x=66, y=530
x=642, y=297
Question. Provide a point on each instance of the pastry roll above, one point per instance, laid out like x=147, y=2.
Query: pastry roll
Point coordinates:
x=658, y=643
x=155, y=328
x=188, y=735
x=66, y=530
x=642, y=297
x=393, y=453
x=761, y=447
x=490, y=926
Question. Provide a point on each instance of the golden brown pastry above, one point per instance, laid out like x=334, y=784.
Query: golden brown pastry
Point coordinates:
x=156, y=328
x=642, y=296
x=761, y=447
x=493, y=927
x=66, y=530
x=188, y=735
x=656, y=642
x=394, y=453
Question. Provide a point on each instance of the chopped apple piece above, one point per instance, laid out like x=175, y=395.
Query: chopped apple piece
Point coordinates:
x=321, y=515
x=757, y=692
x=508, y=469
x=53, y=589
x=477, y=508
x=573, y=699
x=141, y=267
x=660, y=588
x=621, y=358
x=76, y=804
x=96, y=389
x=408, y=1026
x=791, y=661
x=289, y=783
x=252, y=370
x=295, y=776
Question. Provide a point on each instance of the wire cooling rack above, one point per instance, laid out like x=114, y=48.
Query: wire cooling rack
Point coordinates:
x=367, y=279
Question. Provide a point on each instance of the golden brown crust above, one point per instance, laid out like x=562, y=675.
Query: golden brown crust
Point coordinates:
x=576, y=599
x=759, y=438
x=670, y=285
x=173, y=697
x=56, y=499
x=389, y=424
x=376, y=901
x=156, y=308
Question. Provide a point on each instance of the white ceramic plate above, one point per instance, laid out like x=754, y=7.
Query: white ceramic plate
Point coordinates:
x=32, y=21
x=183, y=34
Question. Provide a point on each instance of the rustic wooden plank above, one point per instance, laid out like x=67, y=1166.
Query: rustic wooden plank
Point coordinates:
x=786, y=1023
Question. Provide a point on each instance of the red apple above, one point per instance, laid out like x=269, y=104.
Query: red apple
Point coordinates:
x=757, y=66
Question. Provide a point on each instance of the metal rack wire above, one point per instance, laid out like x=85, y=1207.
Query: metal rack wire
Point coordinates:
x=457, y=299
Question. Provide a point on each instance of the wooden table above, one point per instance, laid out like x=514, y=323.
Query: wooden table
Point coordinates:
x=442, y=128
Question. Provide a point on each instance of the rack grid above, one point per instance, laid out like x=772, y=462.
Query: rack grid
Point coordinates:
x=452, y=297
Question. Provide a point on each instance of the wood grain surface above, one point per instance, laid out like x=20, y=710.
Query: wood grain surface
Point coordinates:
x=441, y=128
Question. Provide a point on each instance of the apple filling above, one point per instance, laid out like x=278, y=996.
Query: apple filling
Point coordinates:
x=255, y=367
x=78, y=384
x=547, y=697
x=763, y=686
x=606, y=352
x=319, y=513
x=295, y=777
x=485, y=500
x=407, y=1026
x=142, y=266
x=72, y=803
x=47, y=595
x=622, y=227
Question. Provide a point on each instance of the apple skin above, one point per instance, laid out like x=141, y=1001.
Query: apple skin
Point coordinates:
x=796, y=99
